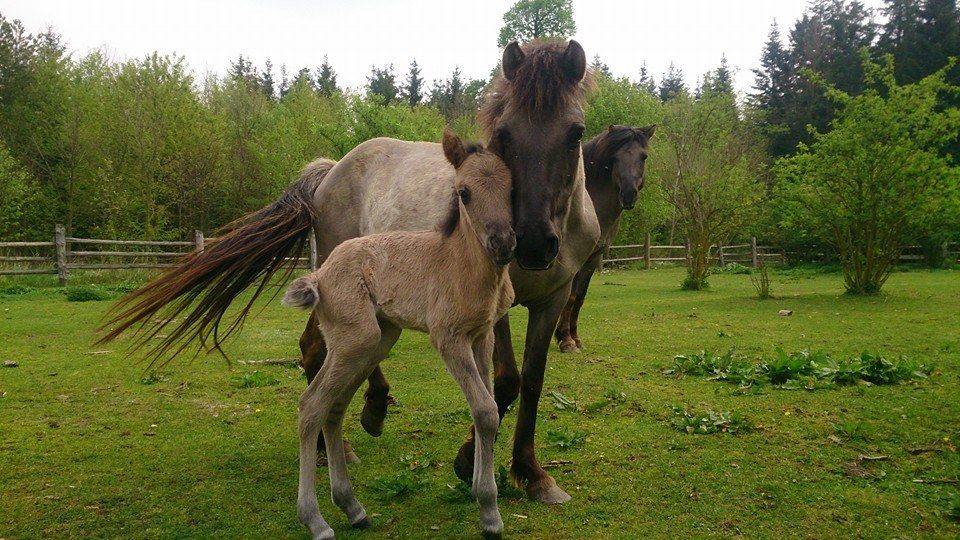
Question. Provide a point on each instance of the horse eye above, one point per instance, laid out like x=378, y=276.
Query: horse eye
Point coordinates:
x=464, y=194
x=576, y=134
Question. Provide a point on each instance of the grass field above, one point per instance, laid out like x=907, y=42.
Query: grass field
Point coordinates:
x=93, y=445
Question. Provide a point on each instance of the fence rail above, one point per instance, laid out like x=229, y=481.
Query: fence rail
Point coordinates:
x=63, y=258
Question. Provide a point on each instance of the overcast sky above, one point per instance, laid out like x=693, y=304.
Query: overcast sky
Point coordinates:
x=440, y=34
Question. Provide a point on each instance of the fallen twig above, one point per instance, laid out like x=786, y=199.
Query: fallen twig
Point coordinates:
x=272, y=361
x=936, y=481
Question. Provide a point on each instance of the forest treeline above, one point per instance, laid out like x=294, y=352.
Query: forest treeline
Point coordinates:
x=143, y=148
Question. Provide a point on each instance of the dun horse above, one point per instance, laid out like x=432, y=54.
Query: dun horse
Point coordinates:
x=615, y=166
x=452, y=283
x=534, y=119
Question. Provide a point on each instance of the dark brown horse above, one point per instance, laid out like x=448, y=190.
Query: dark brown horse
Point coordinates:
x=615, y=166
x=534, y=119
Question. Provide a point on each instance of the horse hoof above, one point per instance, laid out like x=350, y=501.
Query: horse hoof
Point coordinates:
x=579, y=343
x=362, y=524
x=547, y=492
x=569, y=346
x=349, y=455
x=373, y=414
x=488, y=535
x=325, y=534
x=463, y=464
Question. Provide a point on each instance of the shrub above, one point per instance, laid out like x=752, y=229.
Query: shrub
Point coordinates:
x=15, y=290
x=86, y=294
x=761, y=282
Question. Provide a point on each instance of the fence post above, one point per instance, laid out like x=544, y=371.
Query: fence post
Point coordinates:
x=753, y=251
x=198, y=240
x=646, y=252
x=313, y=252
x=60, y=244
x=720, y=255
x=687, y=245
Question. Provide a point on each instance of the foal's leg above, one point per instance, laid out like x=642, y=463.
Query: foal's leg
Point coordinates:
x=580, y=285
x=313, y=350
x=314, y=406
x=506, y=388
x=460, y=362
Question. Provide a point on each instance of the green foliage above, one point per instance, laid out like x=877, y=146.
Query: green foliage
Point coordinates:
x=562, y=402
x=708, y=422
x=15, y=290
x=761, y=282
x=255, y=379
x=878, y=179
x=151, y=378
x=396, y=486
x=528, y=20
x=86, y=293
x=565, y=439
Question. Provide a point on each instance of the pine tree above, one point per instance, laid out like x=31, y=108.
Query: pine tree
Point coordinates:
x=413, y=88
x=599, y=68
x=672, y=84
x=718, y=81
x=382, y=84
x=326, y=78
x=448, y=95
x=266, y=80
x=645, y=81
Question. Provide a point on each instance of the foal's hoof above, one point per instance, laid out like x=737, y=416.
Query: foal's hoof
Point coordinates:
x=569, y=346
x=373, y=414
x=362, y=524
x=487, y=535
x=547, y=492
x=463, y=463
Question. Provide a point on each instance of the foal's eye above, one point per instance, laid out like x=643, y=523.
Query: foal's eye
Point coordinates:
x=464, y=194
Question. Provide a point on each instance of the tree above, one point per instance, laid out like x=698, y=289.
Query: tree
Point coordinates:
x=718, y=81
x=713, y=174
x=645, y=81
x=771, y=84
x=878, y=177
x=456, y=97
x=326, y=79
x=528, y=20
x=413, y=87
x=266, y=80
x=381, y=83
x=672, y=85
x=599, y=68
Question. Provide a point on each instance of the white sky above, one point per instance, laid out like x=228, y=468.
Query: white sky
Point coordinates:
x=440, y=34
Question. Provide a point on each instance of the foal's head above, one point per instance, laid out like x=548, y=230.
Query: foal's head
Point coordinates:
x=481, y=199
x=623, y=150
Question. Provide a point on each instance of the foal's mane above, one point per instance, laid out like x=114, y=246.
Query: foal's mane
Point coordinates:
x=601, y=149
x=449, y=222
x=539, y=87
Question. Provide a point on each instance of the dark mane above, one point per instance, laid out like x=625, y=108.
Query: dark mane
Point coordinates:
x=449, y=222
x=599, y=151
x=539, y=87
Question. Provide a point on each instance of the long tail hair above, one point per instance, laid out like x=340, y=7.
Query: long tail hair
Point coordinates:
x=201, y=288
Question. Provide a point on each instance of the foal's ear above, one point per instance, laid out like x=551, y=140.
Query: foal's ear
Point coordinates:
x=453, y=148
x=648, y=131
x=574, y=62
x=512, y=59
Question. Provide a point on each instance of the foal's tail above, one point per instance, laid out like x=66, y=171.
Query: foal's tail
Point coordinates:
x=303, y=293
x=189, y=301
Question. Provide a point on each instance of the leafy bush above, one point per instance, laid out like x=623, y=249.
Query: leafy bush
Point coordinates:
x=255, y=380
x=693, y=283
x=86, y=294
x=15, y=290
x=708, y=422
x=734, y=268
x=761, y=282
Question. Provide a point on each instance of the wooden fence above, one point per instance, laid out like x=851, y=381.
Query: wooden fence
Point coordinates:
x=749, y=254
x=65, y=254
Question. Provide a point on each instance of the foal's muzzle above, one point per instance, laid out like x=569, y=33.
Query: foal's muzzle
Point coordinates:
x=501, y=247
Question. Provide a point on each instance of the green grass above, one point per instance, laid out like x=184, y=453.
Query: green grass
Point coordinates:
x=94, y=443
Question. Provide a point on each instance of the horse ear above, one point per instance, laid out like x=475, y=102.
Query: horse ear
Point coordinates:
x=453, y=148
x=611, y=127
x=512, y=59
x=574, y=62
x=648, y=131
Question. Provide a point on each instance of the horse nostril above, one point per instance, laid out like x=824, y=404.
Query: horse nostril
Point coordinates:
x=553, y=246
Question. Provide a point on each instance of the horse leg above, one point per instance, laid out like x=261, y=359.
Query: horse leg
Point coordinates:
x=471, y=373
x=580, y=285
x=506, y=388
x=376, y=399
x=313, y=350
x=564, y=332
x=525, y=468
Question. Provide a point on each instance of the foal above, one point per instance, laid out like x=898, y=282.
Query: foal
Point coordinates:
x=452, y=283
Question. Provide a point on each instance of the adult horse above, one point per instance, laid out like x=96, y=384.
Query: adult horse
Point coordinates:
x=615, y=164
x=534, y=118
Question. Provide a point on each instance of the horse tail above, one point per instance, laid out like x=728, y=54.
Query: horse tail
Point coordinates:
x=189, y=301
x=303, y=293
